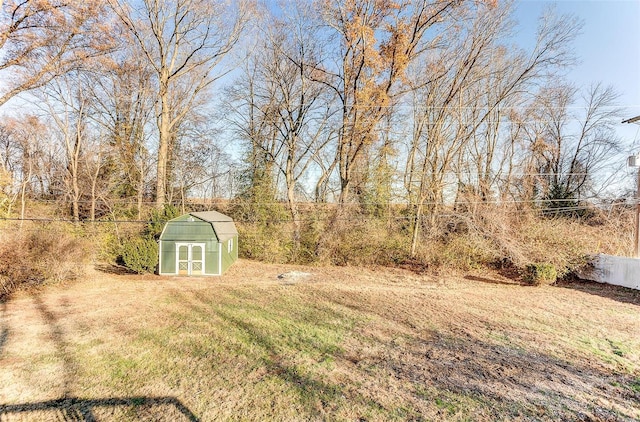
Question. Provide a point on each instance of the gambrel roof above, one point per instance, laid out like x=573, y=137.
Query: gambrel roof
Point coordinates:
x=222, y=224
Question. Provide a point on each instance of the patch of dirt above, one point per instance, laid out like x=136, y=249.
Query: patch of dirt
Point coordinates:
x=294, y=277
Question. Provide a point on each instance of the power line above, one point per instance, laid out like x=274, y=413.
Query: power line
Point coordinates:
x=229, y=202
x=504, y=108
x=69, y=220
x=289, y=219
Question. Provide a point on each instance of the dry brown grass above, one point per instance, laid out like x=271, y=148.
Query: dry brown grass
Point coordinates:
x=509, y=236
x=343, y=344
x=30, y=257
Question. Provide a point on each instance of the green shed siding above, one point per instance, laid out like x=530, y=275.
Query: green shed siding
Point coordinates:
x=198, y=228
x=184, y=230
x=229, y=257
x=167, y=257
x=211, y=256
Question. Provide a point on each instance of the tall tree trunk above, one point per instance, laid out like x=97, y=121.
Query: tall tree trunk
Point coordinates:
x=416, y=229
x=92, y=211
x=72, y=168
x=75, y=195
x=163, y=148
x=293, y=205
x=140, y=187
x=23, y=191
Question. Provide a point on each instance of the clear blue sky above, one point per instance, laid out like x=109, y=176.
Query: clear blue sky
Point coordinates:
x=608, y=48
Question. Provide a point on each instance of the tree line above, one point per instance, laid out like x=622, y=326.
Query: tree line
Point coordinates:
x=373, y=104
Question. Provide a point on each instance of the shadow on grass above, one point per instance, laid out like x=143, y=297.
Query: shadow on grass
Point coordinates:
x=609, y=291
x=511, y=383
x=114, y=269
x=314, y=393
x=4, y=334
x=4, y=331
x=493, y=281
x=69, y=366
x=464, y=372
x=308, y=388
x=75, y=409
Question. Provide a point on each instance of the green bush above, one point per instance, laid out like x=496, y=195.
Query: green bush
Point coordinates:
x=265, y=243
x=159, y=218
x=140, y=254
x=541, y=273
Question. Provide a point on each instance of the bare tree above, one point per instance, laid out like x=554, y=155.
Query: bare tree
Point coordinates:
x=200, y=162
x=67, y=105
x=297, y=110
x=571, y=140
x=40, y=40
x=377, y=41
x=123, y=107
x=184, y=42
x=467, y=83
x=26, y=137
x=250, y=113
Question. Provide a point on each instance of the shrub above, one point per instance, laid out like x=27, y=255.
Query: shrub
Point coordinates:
x=541, y=273
x=459, y=252
x=158, y=219
x=12, y=260
x=140, y=254
x=58, y=256
x=108, y=247
x=265, y=243
x=353, y=239
x=40, y=256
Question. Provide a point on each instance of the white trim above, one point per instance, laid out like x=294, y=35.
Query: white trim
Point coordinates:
x=190, y=245
x=219, y=258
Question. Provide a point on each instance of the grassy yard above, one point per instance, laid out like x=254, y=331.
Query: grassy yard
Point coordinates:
x=340, y=344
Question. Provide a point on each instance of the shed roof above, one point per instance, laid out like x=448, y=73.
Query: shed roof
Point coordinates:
x=222, y=224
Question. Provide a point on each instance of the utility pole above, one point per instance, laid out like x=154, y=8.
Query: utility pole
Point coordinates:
x=637, y=244
x=634, y=161
x=636, y=249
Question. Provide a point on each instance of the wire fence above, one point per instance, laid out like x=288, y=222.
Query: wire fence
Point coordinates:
x=398, y=212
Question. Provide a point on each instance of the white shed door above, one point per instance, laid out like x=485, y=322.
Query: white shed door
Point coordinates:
x=190, y=258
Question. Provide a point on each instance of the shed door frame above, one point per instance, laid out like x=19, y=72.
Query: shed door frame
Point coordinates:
x=192, y=265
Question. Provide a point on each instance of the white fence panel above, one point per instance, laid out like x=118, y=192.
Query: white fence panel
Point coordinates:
x=617, y=270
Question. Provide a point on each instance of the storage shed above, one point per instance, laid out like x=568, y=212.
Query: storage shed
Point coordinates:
x=198, y=243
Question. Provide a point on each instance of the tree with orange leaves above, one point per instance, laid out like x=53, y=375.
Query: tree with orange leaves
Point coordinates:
x=378, y=40
x=42, y=39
